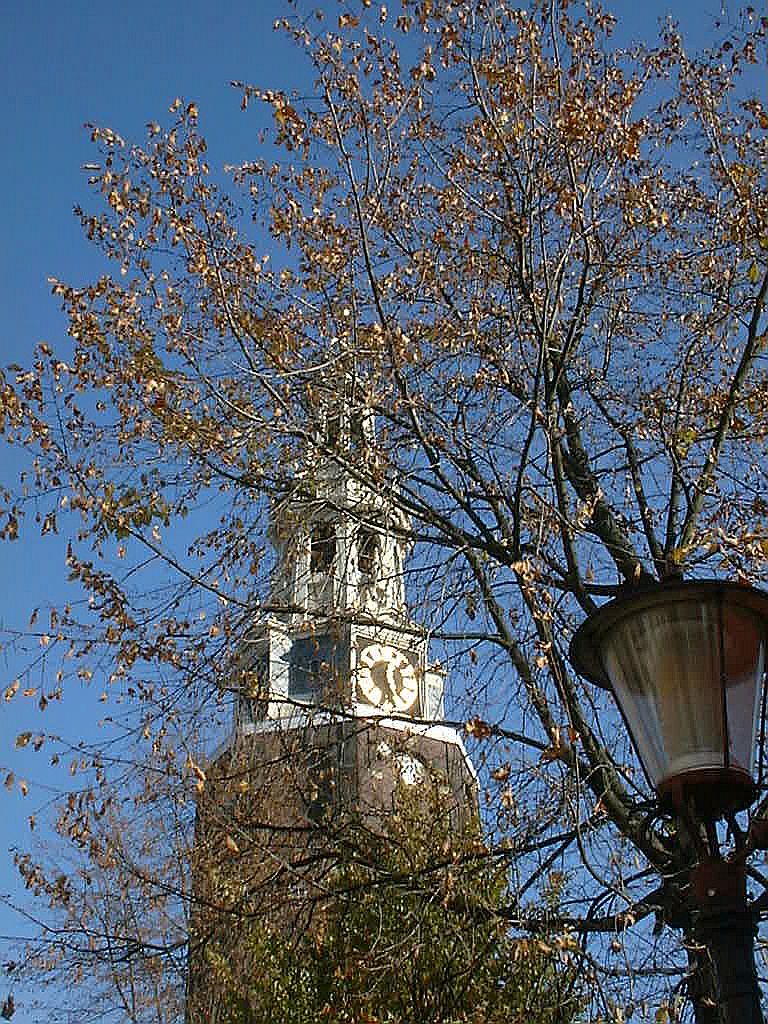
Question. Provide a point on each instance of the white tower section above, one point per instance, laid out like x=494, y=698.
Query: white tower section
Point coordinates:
x=338, y=636
x=341, y=552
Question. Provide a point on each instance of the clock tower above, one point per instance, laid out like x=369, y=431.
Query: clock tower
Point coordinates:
x=338, y=710
x=336, y=648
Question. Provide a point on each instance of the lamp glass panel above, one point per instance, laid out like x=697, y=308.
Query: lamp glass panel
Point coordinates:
x=664, y=665
x=744, y=668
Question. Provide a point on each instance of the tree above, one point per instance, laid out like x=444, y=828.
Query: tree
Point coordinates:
x=540, y=260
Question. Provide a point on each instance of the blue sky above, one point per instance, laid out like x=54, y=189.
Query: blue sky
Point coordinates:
x=63, y=64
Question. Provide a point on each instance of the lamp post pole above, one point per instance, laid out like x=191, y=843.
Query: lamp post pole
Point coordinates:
x=686, y=663
x=725, y=928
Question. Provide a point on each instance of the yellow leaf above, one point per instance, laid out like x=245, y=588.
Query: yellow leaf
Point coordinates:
x=23, y=739
x=232, y=845
x=10, y=693
x=23, y=786
x=198, y=773
x=478, y=728
x=754, y=273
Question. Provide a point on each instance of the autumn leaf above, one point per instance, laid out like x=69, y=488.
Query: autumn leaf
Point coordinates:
x=477, y=728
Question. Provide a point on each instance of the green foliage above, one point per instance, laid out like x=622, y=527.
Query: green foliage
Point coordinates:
x=408, y=930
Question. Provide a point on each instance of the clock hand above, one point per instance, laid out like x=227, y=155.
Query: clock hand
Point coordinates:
x=391, y=682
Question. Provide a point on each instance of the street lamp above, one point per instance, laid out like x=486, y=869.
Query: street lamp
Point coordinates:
x=685, y=662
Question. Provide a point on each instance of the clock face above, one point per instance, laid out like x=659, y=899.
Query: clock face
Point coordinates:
x=386, y=678
x=411, y=770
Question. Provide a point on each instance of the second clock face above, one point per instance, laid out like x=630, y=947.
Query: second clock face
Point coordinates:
x=386, y=678
x=412, y=770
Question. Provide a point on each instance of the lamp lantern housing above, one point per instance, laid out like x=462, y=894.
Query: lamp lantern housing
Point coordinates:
x=685, y=661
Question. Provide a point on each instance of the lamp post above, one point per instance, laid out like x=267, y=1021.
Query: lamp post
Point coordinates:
x=685, y=662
